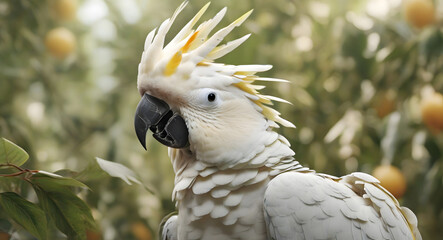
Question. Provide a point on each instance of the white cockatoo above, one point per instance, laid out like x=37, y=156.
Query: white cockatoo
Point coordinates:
x=236, y=178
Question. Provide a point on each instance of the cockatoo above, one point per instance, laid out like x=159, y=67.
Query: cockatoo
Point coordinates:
x=235, y=177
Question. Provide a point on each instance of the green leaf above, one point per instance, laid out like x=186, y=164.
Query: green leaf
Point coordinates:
x=48, y=179
x=11, y=153
x=71, y=214
x=92, y=172
x=25, y=213
x=118, y=170
x=96, y=172
x=431, y=46
x=10, y=184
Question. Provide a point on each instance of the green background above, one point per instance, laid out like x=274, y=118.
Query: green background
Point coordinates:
x=345, y=60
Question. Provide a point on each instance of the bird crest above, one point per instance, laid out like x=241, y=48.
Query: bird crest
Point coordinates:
x=193, y=51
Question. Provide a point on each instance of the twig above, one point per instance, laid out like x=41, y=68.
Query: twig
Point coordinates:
x=12, y=165
x=20, y=172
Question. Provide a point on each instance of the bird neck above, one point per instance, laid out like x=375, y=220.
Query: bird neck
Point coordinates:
x=266, y=160
x=221, y=196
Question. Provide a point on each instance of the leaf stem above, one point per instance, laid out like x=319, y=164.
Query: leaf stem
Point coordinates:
x=20, y=172
x=12, y=174
x=12, y=165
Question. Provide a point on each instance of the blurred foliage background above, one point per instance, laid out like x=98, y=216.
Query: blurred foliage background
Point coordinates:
x=366, y=83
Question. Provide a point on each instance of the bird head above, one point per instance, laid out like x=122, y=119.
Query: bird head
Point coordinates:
x=191, y=102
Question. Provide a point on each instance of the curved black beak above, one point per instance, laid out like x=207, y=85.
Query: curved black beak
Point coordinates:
x=168, y=128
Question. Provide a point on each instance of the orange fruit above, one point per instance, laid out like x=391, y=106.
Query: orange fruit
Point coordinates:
x=65, y=9
x=93, y=235
x=419, y=13
x=4, y=236
x=140, y=231
x=391, y=178
x=60, y=42
x=432, y=111
x=385, y=104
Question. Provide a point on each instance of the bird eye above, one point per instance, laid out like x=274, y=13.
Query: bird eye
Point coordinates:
x=211, y=97
x=207, y=98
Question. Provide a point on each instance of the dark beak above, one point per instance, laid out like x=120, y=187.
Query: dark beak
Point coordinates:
x=168, y=128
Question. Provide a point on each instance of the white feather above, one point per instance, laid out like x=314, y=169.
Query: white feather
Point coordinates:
x=270, y=79
x=206, y=27
x=148, y=40
x=203, y=50
x=203, y=209
x=186, y=31
x=220, y=51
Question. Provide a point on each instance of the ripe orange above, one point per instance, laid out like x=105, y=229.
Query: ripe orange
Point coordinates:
x=385, y=104
x=60, y=42
x=391, y=178
x=140, y=231
x=65, y=9
x=4, y=236
x=419, y=13
x=93, y=235
x=432, y=111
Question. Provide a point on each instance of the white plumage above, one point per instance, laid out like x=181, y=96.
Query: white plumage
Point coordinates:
x=317, y=207
x=238, y=179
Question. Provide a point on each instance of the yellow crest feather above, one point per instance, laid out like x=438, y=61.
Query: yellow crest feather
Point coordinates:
x=196, y=47
x=172, y=65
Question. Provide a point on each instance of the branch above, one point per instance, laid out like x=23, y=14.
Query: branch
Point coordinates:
x=12, y=165
x=20, y=172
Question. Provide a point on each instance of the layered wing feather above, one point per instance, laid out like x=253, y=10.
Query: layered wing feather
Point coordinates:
x=169, y=228
x=314, y=206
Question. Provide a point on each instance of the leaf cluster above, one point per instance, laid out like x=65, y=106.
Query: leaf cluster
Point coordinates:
x=58, y=203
